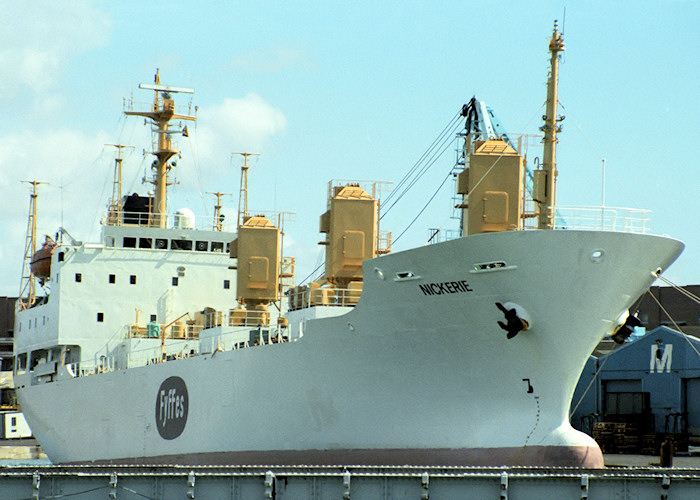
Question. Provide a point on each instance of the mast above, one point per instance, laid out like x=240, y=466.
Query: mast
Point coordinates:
x=115, y=205
x=243, y=193
x=218, y=216
x=161, y=113
x=27, y=284
x=547, y=196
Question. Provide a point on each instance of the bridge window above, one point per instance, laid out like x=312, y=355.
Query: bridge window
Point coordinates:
x=202, y=246
x=129, y=242
x=181, y=245
x=217, y=246
x=145, y=242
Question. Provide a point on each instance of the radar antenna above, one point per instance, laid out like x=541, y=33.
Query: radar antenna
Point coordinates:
x=161, y=112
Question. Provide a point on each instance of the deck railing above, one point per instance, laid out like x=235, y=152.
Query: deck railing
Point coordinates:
x=617, y=219
x=176, y=220
x=626, y=220
x=305, y=296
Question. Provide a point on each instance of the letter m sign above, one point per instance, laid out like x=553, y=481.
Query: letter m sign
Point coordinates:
x=660, y=360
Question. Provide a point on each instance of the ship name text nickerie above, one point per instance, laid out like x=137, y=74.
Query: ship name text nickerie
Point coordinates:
x=445, y=287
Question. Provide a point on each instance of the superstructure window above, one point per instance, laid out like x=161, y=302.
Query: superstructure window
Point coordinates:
x=129, y=242
x=227, y=284
x=145, y=242
x=217, y=246
x=161, y=243
x=78, y=277
x=181, y=245
x=174, y=280
x=100, y=317
x=112, y=278
x=153, y=317
x=21, y=363
x=202, y=246
x=132, y=279
x=61, y=256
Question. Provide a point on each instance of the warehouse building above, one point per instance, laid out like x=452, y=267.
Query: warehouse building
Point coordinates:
x=645, y=390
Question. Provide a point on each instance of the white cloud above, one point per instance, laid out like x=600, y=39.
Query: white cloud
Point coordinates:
x=244, y=125
x=77, y=187
x=42, y=37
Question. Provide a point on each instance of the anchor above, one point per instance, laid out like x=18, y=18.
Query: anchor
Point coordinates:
x=515, y=323
x=626, y=328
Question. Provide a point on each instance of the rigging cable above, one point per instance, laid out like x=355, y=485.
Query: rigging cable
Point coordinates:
x=449, y=126
x=689, y=295
x=440, y=142
x=429, y=157
x=449, y=174
x=595, y=376
x=680, y=289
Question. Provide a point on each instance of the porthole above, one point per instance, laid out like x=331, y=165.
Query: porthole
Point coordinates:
x=597, y=256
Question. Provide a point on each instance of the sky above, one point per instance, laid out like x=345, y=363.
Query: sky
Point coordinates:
x=353, y=90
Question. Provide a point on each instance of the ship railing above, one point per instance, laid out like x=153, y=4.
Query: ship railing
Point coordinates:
x=186, y=330
x=438, y=235
x=154, y=355
x=619, y=219
x=148, y=107
x=384, y=242
x=177, y=220
x=256, y=337
x=314, y=295
x=241, y=317
x=84, y=368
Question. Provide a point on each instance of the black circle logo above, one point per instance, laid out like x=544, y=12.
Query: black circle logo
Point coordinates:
x=172, y=404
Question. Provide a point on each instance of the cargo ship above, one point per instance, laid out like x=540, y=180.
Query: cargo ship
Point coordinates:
x=168, y=344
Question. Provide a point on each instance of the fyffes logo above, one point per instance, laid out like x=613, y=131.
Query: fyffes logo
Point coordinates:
x=172, y=404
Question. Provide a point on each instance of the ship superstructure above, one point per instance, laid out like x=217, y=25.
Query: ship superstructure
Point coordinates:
x=137, y=295
x=464, y=352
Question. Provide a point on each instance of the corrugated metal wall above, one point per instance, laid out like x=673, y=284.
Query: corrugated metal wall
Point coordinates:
x=665, y=364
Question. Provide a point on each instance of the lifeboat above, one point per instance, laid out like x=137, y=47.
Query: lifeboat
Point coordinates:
x=40, y=264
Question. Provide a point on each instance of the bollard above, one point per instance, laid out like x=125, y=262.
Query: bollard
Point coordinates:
x=667, y=449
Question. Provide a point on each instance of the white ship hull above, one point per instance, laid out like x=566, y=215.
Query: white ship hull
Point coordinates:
x=406, y=377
